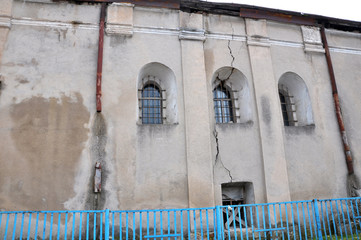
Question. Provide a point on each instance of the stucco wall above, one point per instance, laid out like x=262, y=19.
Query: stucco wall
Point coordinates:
x=345, y=52
x=314, y=155
x=239, y=154
x=46, y=106
x=51, y=135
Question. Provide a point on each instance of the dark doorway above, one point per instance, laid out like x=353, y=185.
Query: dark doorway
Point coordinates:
x=238, y=193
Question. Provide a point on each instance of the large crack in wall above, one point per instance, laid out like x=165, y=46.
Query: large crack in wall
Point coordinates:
x=223, y=81
x=231, y=53
x=215, y=134
x=229, y=46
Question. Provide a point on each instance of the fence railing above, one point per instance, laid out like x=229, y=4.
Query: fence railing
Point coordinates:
x=316, y=219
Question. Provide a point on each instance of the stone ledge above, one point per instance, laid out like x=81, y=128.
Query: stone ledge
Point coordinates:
x=117, y=29
x=258, y=41
x=314, y=48
x=192, y=35
x=5, y=22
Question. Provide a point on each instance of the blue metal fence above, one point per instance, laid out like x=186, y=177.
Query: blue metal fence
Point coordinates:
x=316, y=219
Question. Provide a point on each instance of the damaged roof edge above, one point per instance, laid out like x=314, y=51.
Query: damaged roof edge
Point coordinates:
x=257, y=12
x=172, y=4
x=242, y=10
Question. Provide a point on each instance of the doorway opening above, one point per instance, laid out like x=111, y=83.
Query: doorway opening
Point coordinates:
x=236, y=194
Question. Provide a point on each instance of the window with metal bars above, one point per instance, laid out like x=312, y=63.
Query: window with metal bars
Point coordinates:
x=223, y=104
x=151, y=104
x=288, y=108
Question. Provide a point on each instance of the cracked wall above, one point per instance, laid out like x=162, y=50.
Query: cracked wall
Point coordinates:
x=51, y=137
x=313, y=153
x=235, y=146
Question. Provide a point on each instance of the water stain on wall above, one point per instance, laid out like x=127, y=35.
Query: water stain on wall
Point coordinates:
x=266, y=110
x=50, y=136
x=98, y=143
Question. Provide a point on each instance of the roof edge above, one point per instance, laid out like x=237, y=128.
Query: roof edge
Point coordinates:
x=241, y=10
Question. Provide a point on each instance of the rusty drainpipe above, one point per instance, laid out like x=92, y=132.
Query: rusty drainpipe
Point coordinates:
x=336, y=100
x=100, y=58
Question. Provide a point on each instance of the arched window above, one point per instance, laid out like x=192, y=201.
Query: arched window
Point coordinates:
x=223, y=105
x=151, y=104
x=157, y=93
x=231, y=96
x=295, y=100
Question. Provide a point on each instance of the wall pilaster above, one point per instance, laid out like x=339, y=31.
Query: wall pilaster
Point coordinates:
x=5, y=23
x=197, y=126
x=270, y=121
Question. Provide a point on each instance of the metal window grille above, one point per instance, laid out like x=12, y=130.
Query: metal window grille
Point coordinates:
x=151, y=104
x=288, y=107
x=223, y=105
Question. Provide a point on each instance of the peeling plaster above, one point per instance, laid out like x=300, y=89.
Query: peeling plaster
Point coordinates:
x=48, y=136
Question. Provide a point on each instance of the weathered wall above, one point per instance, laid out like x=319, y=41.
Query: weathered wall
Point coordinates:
x=51, y=136
x=346, y=54
x=46, y=103
x=314, y=152
x=5, y=16
x=238, y=157
x=149, y=161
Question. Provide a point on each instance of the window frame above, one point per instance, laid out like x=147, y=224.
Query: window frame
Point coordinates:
x=288, y=107
x=157, y=120
x=226, y=90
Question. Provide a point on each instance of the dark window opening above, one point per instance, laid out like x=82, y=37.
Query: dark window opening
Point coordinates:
x=284, y=110
x=151, y=104
x=223, y=105
x=287, y=107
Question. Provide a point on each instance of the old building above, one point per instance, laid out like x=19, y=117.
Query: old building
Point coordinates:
x=199, y=104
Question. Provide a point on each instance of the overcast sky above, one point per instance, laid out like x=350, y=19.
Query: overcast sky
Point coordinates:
x=344, y=9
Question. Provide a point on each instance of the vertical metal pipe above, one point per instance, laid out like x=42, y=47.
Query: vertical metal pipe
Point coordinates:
x=100, y=58
x=341, y=125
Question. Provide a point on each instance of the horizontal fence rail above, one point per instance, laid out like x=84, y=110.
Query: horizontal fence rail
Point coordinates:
x=312, y=219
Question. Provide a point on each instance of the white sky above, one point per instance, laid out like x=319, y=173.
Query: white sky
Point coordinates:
x=343, y=9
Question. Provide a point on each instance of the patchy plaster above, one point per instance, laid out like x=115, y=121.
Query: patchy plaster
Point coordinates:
x=49, y=135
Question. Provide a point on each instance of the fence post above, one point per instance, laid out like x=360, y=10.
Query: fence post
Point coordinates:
x=219, y=224
x=106, y=230
x=318, y=221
